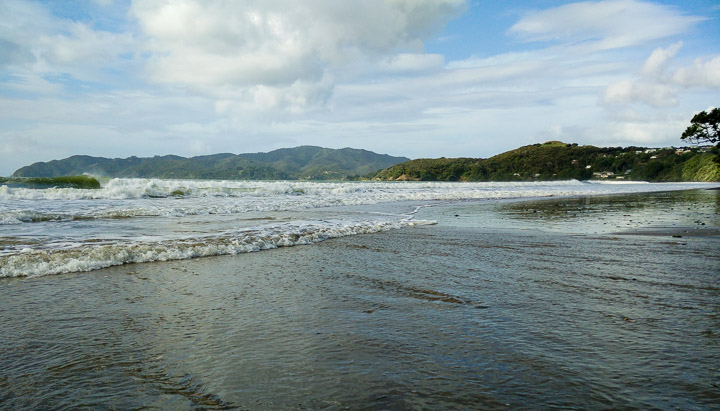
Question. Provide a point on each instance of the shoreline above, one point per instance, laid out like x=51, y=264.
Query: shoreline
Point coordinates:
x=675, y=232
x=694, y=212
x=548, y=213
x=469, y=313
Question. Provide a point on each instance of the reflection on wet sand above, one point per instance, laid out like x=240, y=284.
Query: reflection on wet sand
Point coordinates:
x=490, y=308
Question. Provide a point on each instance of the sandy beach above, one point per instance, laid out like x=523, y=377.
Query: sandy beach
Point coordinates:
x=583, y=302
x=359, y=205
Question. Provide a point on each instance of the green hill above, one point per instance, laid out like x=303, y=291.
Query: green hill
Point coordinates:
x=538, y=162
x=555, y=160
x=305, y=162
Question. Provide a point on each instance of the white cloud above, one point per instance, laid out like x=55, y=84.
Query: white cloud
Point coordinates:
x=603, y=25
x=34, y=42
x=81, y=45
x=658, y=84
x=412, y=63
x=499, y=60
x=653, y=132
x=654, y=94
x=703, y=73
x=261, y=50
x=115, y=124
x=18, y=34
x=27, y=82
x=658, y=130
x=224, y=76
x=659, y=60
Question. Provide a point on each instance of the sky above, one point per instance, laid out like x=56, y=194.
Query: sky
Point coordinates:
x=414, y=78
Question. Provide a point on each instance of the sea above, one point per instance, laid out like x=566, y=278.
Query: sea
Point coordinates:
x=46, y=231
x=170, y=294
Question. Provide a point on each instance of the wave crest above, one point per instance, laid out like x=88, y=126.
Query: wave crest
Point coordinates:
x=87, y=257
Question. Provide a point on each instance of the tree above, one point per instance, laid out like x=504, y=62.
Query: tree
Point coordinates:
x=705, y=128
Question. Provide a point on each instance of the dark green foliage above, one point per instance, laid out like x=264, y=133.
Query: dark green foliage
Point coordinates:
x=705, y=128
x=441, y=169
x=549, y=161
x=305, y=162
x=560, y=161
x=85, y=182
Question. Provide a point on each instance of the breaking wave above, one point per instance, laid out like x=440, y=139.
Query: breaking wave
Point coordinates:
x=123, y=188
x=57, y=230
x=89, y=256
x=78, y=182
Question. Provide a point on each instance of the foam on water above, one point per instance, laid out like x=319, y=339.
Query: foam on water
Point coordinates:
x=346, y=192
x=90, y=256
x=452, y=317
x=59, y=230
x=125, y=198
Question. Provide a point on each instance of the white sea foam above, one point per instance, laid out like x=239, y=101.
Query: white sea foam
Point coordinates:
x=343, y=192
x=58, y=230
x=86, y=257
x=125, y=198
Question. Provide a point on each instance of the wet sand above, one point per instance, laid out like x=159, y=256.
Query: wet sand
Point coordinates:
x=677, y=232
x=582, y=302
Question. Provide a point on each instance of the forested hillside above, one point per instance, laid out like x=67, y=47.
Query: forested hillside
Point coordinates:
x=560, y=161
x=538, y=162
x=305, y=162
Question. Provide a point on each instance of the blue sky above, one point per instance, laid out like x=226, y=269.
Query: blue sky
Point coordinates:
x=419, y=78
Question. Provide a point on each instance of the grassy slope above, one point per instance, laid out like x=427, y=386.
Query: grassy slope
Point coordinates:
x=560, y=161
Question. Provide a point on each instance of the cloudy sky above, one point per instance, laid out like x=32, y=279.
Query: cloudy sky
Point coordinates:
x=418, y=78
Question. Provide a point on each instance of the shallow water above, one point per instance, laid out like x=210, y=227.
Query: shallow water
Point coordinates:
x=464, y=314
x=687, y=212
x=59, y=230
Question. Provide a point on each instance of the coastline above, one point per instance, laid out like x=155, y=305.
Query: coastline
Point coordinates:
x=53, y=231
x=694, y=212
x=676, y=232
x=502, y=304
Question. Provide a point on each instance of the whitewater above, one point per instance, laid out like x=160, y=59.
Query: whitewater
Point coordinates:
x=47, y=231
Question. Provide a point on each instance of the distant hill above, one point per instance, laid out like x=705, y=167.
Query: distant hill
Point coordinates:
x=304, y=163
x=555, y=160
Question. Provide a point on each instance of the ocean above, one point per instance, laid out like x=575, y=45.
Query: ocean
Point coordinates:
x=363, y=295
x=47, y=231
